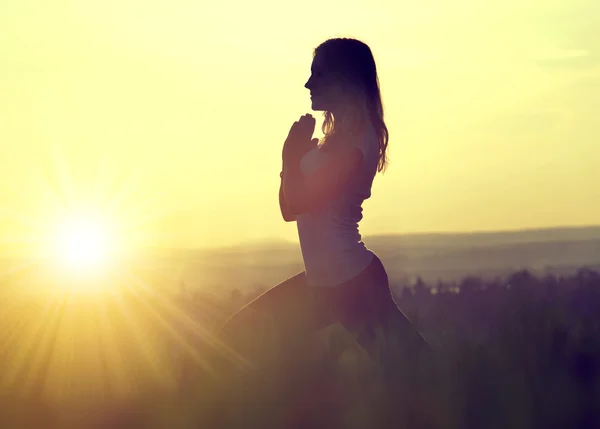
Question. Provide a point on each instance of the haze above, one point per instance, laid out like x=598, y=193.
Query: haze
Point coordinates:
x=178, y=111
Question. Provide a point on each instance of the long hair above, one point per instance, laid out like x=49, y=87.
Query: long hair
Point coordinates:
x=353, y=61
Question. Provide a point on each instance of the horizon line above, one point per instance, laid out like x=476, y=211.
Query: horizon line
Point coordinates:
x=405, y=234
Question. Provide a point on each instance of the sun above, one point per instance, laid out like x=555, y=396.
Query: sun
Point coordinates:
x=83, y=244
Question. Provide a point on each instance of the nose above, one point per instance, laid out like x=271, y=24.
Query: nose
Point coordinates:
x=308, y=84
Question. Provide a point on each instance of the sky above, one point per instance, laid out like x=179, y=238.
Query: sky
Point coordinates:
x=171, y=115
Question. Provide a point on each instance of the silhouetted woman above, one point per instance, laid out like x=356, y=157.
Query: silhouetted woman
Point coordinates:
x=323, y=185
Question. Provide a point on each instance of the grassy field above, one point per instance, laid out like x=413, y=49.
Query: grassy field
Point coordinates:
x=520, y=352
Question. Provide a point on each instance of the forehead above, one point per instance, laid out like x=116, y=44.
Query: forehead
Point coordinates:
x=318, y=63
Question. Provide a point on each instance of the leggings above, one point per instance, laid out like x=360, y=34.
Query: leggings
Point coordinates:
x=363, y=305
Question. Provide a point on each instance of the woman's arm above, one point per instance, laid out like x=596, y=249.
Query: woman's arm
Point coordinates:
x=285, y=211
x=304, y=193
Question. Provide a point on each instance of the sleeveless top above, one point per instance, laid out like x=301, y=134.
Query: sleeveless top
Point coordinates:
x=331, y=245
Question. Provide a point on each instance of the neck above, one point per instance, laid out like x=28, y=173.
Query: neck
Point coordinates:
x=347, y=117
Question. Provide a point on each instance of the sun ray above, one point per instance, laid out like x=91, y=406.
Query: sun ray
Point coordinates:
x=178, y=338
x=182, y=317
x=87, y=354
x=139, y=336
x=15, y=305
x=207, y=338
x=35, y=377
x=61, y=365
x=176, y=311
x=70, y=344
x=26, y=346
x=112, y=360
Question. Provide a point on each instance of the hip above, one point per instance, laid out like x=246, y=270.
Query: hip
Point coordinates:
x=365, y=269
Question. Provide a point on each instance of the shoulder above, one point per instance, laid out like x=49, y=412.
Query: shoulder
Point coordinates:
x=341, y=157
x=354, y=139
x=345, y=147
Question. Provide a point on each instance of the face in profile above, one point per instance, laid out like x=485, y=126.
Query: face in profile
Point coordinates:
x=326, y=88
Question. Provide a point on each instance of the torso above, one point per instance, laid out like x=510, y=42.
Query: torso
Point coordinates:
x=330, y=241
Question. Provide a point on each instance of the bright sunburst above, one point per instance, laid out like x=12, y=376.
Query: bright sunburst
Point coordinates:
x=83, y=243
x=87, y=304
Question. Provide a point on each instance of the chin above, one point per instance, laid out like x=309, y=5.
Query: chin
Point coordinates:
x=316, y=107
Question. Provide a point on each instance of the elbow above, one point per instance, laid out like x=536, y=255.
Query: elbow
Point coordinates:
x=287, y=215
x=292, y=207
x=293, y=203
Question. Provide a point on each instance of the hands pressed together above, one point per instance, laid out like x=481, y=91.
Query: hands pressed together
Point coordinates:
x=299, y=140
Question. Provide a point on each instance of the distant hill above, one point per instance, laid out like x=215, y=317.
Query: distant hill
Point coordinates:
x=430, y=256
x=490, y=238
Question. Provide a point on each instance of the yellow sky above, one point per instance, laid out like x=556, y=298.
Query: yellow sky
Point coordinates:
x=177, y=110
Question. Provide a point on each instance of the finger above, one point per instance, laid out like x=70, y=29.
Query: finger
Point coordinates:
x=293, y=129
x=308, y=120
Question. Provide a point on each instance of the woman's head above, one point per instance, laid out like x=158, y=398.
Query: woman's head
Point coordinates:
x=345, y=86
